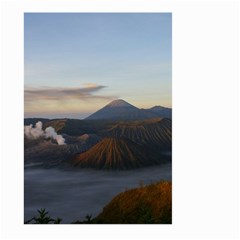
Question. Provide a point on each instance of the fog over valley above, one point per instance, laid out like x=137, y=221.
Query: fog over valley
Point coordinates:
x=72, y=195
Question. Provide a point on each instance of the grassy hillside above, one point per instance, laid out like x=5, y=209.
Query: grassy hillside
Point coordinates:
x=147, y=204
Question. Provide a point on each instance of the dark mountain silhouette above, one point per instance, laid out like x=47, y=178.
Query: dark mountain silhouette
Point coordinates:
x=77, y=127
x=33, y=121
x=121, y=110
x=161, y=111
x=153, y=132
x=85, y=139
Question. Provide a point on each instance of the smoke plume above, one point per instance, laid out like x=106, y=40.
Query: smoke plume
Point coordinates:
x=37, y=131
x=50, y=133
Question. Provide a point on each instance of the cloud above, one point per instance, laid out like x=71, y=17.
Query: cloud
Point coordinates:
x=90, y=85
x=82, y=93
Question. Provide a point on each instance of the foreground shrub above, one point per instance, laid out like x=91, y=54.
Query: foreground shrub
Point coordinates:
x=43, y=218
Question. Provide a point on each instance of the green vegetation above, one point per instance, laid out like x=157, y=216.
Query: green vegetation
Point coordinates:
x=43, y=218
x=88, y=220
x=148, y=204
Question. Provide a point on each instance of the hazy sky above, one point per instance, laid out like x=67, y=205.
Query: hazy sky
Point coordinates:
x=75, y=63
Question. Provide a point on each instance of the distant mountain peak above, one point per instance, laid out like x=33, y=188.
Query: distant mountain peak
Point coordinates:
x=119, y=103
x=122, y=111
x=157, y=108
x=161, y=111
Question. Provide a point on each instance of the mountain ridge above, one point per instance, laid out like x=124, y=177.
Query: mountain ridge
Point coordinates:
x=161, y=111
x=128, y=138
x=154, y=132
x=117, y=153
x=121, y=110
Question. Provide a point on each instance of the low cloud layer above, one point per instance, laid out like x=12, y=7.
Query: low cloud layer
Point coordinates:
x=46, y=93
x=37, y=132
